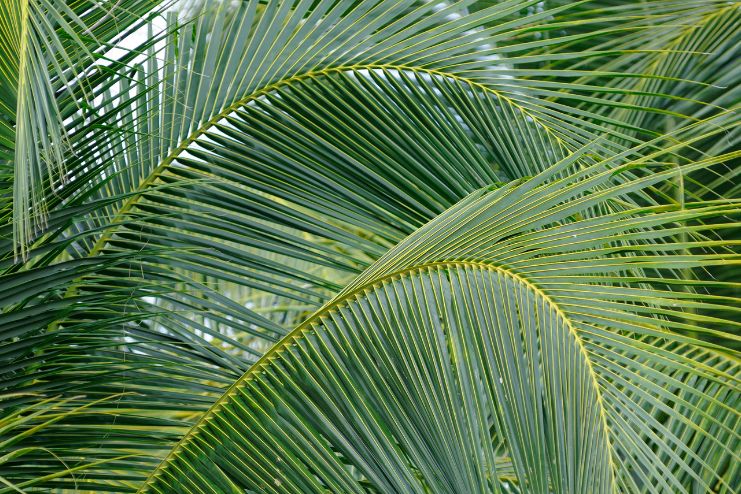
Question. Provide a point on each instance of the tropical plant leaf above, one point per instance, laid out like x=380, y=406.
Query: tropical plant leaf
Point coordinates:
x=501, y=328
x=47, y=46
x=246, y=161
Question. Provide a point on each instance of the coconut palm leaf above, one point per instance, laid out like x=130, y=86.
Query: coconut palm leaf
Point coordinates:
x=453, y=351
x=248, y=164
x=47, y=50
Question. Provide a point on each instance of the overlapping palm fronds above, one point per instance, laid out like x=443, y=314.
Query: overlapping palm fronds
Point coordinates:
x=460, y=246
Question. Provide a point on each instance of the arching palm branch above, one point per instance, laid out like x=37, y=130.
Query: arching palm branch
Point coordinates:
x=378, y=246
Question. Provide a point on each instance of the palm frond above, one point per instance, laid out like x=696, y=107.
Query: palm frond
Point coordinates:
x=249, y=164
x=452, y=351
x=47, y=46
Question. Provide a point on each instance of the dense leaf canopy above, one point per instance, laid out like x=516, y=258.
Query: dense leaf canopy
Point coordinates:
x=370, y=246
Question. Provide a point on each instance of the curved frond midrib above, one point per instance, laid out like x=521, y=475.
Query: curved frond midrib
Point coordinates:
x=241, y=102
x=345, y=297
